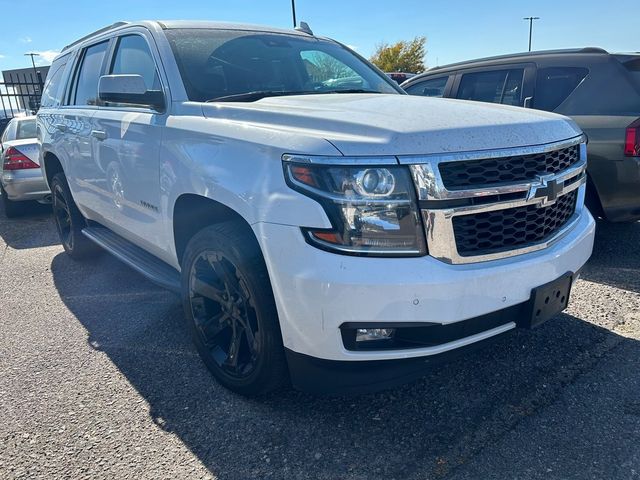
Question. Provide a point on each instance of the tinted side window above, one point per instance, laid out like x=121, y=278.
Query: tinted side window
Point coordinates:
x=86, y=90
x=133, y=57
x=494, y=86
x=555, y=84
x=429, y=88
x=53, y=87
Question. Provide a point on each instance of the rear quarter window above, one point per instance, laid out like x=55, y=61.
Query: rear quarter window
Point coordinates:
x=633, y=67
x=54, y=87
x=555, y=84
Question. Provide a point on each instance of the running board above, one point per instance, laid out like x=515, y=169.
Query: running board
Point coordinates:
x=143, y=262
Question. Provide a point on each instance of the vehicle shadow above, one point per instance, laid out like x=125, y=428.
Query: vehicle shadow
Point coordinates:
x=32, y=229
x=422, y=430
x=616, y=256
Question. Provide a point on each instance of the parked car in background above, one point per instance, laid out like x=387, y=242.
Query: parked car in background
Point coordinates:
x=400, y=77
x=6, y=114
x=597, y=89
x=21, y=178
x=315, y=231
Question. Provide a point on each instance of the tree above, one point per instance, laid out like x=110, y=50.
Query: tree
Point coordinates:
x=404, y=56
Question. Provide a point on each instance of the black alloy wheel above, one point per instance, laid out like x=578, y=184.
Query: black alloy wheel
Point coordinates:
x=62, y=216
x=69, y=221
x=224, y=314
x=230, y=309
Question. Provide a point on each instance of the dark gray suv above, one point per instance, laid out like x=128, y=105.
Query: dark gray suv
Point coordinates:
x=599, y=90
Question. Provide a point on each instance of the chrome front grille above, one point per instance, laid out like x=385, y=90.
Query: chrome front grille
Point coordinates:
x=496, y=216
x=518, y=168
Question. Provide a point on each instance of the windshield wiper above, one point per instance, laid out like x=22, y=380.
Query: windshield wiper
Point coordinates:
x=254, y=96
x=259, y=94
x=350, y=90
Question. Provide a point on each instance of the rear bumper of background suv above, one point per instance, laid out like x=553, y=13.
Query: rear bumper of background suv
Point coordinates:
x=317, y=292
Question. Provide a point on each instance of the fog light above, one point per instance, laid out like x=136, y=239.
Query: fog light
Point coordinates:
x=368, y=334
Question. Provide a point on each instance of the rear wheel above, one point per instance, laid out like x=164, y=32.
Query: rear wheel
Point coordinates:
x=230, y=310
x=11, y=209
x=69, y=221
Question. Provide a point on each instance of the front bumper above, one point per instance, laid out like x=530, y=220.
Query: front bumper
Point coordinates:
x=316, y=291
x=23, y=185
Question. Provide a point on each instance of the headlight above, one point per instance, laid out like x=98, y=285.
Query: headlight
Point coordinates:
x=372, y=209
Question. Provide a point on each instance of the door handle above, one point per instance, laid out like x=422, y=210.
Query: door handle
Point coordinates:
x=61, y=126
x=99, y=134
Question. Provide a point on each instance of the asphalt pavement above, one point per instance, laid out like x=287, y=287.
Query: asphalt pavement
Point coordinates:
x=98, y=379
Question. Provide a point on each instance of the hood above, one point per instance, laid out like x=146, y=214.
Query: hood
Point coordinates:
x=376, y=124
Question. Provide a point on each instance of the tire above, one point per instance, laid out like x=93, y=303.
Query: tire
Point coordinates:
x=230, y=310
x=11, y=208
x=69, y=221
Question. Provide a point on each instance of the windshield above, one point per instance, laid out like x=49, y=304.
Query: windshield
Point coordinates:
x=247, y=66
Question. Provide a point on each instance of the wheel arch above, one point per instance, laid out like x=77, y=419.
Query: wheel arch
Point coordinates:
x=192, y=213
x=51, y=165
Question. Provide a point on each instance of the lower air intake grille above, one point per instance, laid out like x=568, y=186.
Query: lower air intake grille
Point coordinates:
x=492, y=232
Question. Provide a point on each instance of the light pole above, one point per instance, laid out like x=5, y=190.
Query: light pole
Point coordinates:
x=33, y=62
x=293, y=12
x=531, y=19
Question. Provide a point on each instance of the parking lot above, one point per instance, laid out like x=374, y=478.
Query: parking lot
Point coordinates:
x=98, y=379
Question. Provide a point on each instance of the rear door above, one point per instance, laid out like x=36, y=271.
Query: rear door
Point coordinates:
x=509, y=84
x=82, y=171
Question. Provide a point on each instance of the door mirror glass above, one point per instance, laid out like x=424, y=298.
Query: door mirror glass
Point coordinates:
x=129, y=90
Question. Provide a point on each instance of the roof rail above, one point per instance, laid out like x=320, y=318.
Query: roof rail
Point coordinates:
x=593, y=50
x=102, y=30
x=524, y=54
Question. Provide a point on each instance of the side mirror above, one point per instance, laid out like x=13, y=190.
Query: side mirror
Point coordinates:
x=130, y=90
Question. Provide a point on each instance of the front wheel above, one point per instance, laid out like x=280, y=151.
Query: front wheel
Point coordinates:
x=69, y=221
x=230, y=309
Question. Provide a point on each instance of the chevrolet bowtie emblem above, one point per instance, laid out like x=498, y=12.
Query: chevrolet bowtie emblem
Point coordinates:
x=547, y=188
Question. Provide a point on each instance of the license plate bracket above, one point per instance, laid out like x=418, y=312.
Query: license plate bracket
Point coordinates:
x=549, y=300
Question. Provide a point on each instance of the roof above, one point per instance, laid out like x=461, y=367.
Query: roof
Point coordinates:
x=172, y=24
x=524, y=56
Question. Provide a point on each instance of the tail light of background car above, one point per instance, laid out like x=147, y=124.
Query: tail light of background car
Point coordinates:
x=16, y=160
x=632, y=140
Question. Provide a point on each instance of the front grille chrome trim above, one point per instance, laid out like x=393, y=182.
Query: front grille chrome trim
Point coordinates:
x=438, y=222
x=494, y=153
x=429, y=184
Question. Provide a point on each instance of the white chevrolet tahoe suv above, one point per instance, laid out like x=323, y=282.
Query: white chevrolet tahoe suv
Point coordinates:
x=320, y=225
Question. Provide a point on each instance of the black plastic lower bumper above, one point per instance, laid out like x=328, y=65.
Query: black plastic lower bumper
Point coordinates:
x=333, y=377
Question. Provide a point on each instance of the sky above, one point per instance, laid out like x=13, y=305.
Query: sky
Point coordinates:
x=455, y=31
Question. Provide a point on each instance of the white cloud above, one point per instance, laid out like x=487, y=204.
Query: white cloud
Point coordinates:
x=26, y=40
x=2, y=56
x=45, y=56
